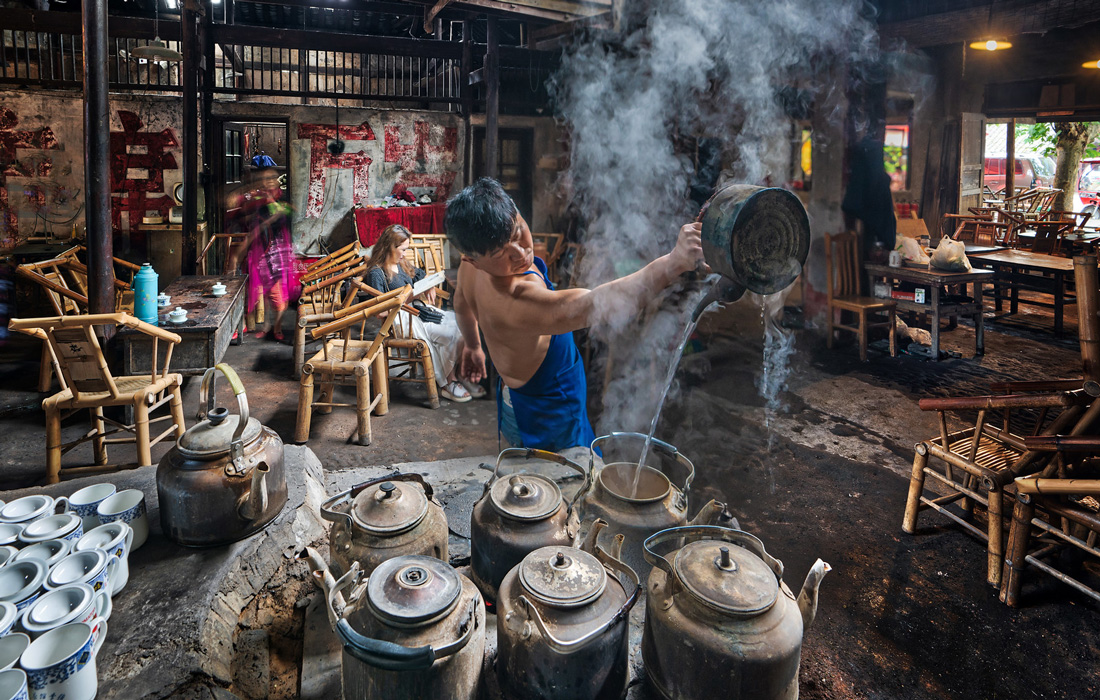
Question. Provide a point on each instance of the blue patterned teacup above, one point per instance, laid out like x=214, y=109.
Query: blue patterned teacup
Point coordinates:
x=21, y=582
x=93, y=567
x=66, y=526
x=13, y=684
x=8, y=615
x=115, y=538
x=85, y=501
x=11, y=648
x=61, y=663
x=129, y=507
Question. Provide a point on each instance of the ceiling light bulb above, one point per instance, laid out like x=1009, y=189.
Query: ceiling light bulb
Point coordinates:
x=991, y=45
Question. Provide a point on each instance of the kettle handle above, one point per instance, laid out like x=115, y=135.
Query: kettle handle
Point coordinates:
x=530, y=453
x=708, y=532
x=395, y=657
x=328, y=508
x=674, y=453
x=207, y=397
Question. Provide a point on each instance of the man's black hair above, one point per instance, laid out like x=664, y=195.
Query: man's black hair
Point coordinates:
x=480, y=218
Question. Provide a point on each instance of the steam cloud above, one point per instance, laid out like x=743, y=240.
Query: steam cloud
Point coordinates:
x=710, y=69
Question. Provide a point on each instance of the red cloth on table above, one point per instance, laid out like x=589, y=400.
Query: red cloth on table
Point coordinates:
x=370, y=221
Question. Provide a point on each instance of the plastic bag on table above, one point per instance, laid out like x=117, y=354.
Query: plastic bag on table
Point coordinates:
x=911, y=250
x=950, y=256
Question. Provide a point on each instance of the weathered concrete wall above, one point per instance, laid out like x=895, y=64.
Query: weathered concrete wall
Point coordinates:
x=384, y=150
x=42, y=167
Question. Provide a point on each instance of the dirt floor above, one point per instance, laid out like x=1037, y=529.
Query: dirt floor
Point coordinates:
x=824, y=475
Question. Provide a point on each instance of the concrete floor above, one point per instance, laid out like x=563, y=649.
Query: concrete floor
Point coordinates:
x=825, y=476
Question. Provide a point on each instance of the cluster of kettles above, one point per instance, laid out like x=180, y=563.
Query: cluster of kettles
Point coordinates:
x=562, y=578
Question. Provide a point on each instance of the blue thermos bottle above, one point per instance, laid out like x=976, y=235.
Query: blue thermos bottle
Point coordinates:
x=145, y=294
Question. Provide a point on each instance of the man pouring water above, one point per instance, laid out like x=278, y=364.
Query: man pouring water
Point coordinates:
x=504, y=292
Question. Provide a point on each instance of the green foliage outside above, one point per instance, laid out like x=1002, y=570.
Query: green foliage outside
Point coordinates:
x=1042, y=139
x=893, y=159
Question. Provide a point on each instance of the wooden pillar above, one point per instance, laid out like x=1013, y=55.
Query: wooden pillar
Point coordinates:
x=492, y=99
x=467, y=92
x=1010, y=158
x=209, y=140
x=97, y=151
x=190, y=14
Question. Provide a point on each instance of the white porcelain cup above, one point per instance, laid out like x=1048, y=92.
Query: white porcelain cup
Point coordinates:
x=129, y=507
x=11, y=648
x=21, y=582
x=9, y=534
x=115, y=539
x=8, y=615
x=49, y=552
x=164, y=300
x=217, y=289
x=7, y=553
x=178, y=314
x=66, y=526
x=27, y=509
x=13, y=684
x=93, y=567
x=73, y=603
x=85, y=501
x=61, y=663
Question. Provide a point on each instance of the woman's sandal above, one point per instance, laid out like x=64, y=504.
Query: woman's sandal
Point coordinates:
x=455, y=392
x=476, y=390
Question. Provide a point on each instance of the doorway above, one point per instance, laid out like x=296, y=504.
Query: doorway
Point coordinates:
x=514, y=168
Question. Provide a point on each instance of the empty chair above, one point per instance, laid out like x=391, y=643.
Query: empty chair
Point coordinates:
x=844, y=273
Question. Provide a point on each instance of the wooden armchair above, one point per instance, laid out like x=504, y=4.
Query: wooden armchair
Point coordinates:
x=322, y=296
x=347, y=362
x=980, y=462
x=89, y=384
x=1049, y=234
x=549, y=247
x=843, y=272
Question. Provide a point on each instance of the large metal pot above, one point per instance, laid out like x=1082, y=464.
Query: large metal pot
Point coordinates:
x=415, y=629
x=655, y=505
x=720, y=622
x=223, y=480
x=562, y=623
x=382, y=519
x=519, y=512
x=757, y=237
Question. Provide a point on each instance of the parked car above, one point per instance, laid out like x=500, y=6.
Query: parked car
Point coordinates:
x=1088, y=190
x=1031, y=171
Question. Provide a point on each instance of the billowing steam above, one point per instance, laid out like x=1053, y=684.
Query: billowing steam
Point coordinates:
x=641, y=105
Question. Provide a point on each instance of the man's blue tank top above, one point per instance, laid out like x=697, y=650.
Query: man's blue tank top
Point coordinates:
x=551, y=408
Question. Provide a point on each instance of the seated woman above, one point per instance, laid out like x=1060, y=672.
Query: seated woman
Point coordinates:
x=389, y=270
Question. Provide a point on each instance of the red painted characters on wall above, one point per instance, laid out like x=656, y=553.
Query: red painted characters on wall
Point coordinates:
x=320, y=160
x=30, y=165
x=426, y=163
x=138, y=161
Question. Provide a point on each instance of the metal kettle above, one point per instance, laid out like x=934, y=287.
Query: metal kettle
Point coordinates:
x=224, y=478
x=414, y=629
x=518, y=513
x=563, y=622
x=384, y=518
x=657, y=503
x=720, y=622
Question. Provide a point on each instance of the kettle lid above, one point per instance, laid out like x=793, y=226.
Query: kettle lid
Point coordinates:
x=389, y=507
x=412, y=588
x=213, y=436
x=726, y=577
x=562, y=577
x=525, y=497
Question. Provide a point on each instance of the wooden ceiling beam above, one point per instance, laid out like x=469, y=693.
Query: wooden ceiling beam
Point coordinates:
x=973, y=24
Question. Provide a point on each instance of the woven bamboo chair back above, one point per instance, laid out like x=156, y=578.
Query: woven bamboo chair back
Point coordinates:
x=357, y=315
x=842, y=264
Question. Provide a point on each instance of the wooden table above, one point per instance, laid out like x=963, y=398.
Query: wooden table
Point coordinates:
x=1036, y=272
x=206, y=333
x=975, y=249
x=935, y=280
x=370, y=221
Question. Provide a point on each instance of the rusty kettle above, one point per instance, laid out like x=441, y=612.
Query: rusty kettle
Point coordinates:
x=414, y=629
x=655, y=504
x=562, y=623
x=224, y=479
x=384, y=518
x=519, y=512
x=720, y=622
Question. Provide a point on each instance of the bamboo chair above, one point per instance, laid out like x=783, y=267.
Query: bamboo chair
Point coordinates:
x=408, y=358
x=842, y=269
x=89, y=384
x=323, y=294
x=549, y=247
x=55, y=278
x=348, y=362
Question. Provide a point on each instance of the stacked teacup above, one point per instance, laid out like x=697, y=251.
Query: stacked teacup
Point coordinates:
x=61, y=561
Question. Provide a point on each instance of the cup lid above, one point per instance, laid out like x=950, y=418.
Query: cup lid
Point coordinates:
x=8, y=612
x=56, y=606
x=389, y=507
x=562, y=577
x=732, y=581
x=525, y=496
x=214, y=436
x=412, y=588
x=26, y=576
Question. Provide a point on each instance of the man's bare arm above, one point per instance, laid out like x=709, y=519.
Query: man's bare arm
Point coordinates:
x=471, y=365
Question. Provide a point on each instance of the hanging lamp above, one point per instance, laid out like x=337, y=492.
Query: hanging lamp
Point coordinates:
x=990, y=43
x=157, y=50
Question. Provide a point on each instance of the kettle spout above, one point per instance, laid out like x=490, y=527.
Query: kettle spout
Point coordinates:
x=709, y=514
x=807, y=599
x=721, y=290
x=254, y=503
